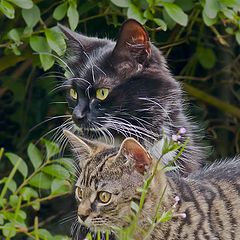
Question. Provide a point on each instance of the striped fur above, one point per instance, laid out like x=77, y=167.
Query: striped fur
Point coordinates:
x=209, y=206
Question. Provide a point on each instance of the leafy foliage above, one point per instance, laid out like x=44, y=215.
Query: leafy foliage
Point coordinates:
x=200, y=39
x=41, y=180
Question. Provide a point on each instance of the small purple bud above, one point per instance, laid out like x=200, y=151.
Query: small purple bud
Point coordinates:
x=182, y=130
x=174, y=138
x=179, y=137
x=177, y=199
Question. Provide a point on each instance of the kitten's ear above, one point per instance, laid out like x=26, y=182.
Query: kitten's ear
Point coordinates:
x=74, y=38
x=133, y=42
x=133, y=149
x=80, y=145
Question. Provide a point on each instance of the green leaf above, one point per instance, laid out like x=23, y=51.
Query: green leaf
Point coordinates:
x=26, y=4
x=160, y=23
x=73, y=17
x=12, y=186
x=59, y=186
x=13, y=200
x=237, y=35
x=9, y=230
x=56, y=171
x=185, y=5
x=56, y=41
x=28, y=193
x=134, y=206
x=206, y=57
x=211, y=8
x=67, y=163
x=60, y=11
x=35, y=156
x=7, y=9
x=121, y=3
x=167, y=19
x=22, y=168
x=47, y=61
x=14, y=34
x=1, y=219
x=39, y=44
x=44, y=234
x=135, y=13
x=176, y=13
x=166, y=216
x=36, y=205
x=41, y=180
x=208, y=21
x=52, y=148
x=31, y=16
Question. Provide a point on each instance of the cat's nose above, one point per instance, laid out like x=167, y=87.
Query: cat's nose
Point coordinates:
x=83, y=217
x=78, y=114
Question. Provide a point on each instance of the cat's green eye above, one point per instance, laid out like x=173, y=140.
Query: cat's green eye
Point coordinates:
x=79, y=193
x=73, y=94
x=102, y=93
x=104, y=197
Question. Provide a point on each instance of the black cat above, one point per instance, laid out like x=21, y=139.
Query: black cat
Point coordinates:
x=124, y=88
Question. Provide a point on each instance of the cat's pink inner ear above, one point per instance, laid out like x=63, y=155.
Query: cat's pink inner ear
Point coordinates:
x=132, y=34
x=142, y=160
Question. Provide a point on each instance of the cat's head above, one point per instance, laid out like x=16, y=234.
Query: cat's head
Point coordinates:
x=119, y=87
x=109, y=180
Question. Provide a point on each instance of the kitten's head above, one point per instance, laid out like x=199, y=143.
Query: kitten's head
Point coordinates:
x=119, y=87
x=108, y=181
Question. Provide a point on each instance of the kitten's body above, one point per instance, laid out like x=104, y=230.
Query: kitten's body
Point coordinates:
x=209, y=206
x=144, y=99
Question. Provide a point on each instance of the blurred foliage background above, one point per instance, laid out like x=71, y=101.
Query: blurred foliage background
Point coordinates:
x=200, y=40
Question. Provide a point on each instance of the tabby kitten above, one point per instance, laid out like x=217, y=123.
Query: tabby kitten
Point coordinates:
x=124, y=88
x=206, y=203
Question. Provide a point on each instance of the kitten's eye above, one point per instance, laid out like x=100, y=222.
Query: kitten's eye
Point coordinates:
x=104, y=197
x=73, y=94
x=79, y=193
x=102, y=93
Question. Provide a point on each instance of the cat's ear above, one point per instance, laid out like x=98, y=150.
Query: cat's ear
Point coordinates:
x=132, y=43
x=80, y=145
x=77, y=39
x=131, y=148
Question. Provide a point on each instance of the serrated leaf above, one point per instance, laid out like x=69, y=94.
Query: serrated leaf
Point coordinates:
x=176, y=13
x=206, y=57
x=55, y=41
x=160, y=23
x=26, y=4
x=41, y=180
x=22, y=168
x=135, y=13
x=35, y=156
x=51, y=147
x=211, y=8
x=121, y=3
x=73, y=17
x=7, y=9
x=59, y=186
x=56, y=171
x=28, y=193
x=31, y=16
x=60, y=11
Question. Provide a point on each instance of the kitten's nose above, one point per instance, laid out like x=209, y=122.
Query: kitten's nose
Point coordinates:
x=78, y=115
x=83, y=217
